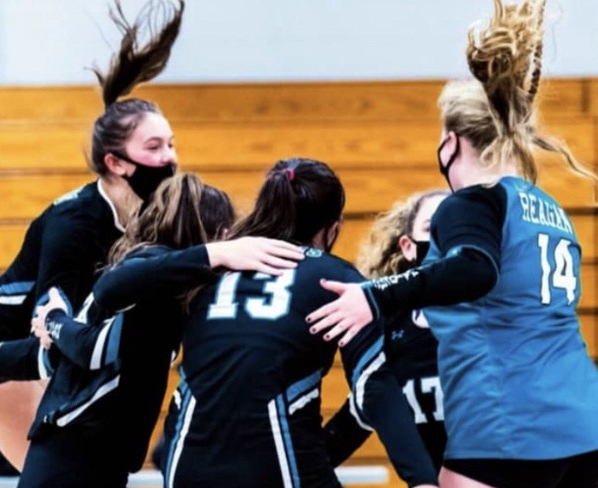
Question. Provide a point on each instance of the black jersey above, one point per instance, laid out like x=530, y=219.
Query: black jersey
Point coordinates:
x=112, y=374
x=63, y=247
x=412, y=357
x=250, y=402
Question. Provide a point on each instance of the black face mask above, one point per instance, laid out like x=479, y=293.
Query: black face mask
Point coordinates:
x=444, y=170
x=146, y=179
x=421, y=249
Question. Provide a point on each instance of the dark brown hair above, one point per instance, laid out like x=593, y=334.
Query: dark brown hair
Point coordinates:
x=217, y=212
x=299, y=197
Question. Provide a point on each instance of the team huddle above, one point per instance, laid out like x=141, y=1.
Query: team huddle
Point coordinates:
x=457, y=328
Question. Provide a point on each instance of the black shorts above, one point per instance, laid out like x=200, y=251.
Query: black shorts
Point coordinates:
x=579, y=471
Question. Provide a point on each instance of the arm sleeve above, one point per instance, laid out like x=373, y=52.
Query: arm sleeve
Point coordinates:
x=467, y=229
x=64, y=255
x=343, y=435
x=153, y=274
x=24, y=360
x=385, y=409
x=90, y=347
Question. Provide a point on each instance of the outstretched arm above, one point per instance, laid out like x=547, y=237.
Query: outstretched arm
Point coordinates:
x=158, y=271
x=152, y=272
x=467, y=230
x=377, y=403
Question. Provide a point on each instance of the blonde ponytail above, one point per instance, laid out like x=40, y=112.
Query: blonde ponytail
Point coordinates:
x=495, y=111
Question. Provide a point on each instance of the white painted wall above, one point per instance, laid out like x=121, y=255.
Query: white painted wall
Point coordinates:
x=51, y=41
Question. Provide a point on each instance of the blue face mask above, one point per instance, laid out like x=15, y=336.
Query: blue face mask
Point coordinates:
x=444, y=168
x=146, y=179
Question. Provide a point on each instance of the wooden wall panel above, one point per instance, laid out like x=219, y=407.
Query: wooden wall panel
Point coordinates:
x=592, y=97
x=365, y=101
x=589, y=283
x=589, y=328
x=369, y=190
x=60, y=146
x=10, y=243
x=353, y=231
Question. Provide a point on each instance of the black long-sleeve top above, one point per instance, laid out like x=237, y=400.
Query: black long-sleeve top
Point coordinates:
x=112, y=373
x=63, y=247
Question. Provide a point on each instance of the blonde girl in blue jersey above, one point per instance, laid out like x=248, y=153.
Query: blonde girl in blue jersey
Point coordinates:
x=501, y=281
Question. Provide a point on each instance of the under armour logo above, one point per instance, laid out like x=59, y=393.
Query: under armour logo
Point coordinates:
x=397, y=335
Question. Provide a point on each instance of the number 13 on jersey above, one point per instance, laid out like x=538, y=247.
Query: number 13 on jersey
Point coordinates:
x=272, y=303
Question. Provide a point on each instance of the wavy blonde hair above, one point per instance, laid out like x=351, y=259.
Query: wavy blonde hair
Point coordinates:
x=495, y=111
x=380, y=253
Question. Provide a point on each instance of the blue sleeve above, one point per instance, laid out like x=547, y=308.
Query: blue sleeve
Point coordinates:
x=153, y=273
x=467, y=229
x=25, y=360
x=90, y=347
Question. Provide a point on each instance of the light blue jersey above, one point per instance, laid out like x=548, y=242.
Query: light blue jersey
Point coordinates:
x=517, y=378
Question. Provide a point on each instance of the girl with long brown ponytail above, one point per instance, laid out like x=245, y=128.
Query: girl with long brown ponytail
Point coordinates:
x=500, y=284
x=249, y=405
x=67, y=243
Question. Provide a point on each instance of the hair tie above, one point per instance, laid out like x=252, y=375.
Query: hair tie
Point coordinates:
x=291, y=173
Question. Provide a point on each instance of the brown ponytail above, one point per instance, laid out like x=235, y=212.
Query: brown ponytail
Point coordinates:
x=134, y=63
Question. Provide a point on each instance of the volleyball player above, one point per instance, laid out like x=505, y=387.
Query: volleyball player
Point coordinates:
x=399, y=241
x=132, y=151
x=96, y=416
x=250, y=406
x=502, y=276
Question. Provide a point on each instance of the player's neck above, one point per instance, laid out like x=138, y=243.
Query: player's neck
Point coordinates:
x=479, y=175
x=122, y=197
